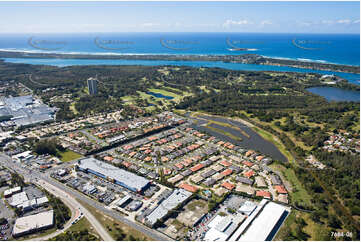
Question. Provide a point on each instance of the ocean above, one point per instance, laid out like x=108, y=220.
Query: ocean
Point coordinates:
x=324, y=48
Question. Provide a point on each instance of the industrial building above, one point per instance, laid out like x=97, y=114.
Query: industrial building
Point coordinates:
x=92, y=85
x=263, y=222
x=18, y=199
x=222, y=227
x=11, y=191
x=114, y=174
x=24, y=111
x=252, y=222
x=177, y=197
x=33, y=223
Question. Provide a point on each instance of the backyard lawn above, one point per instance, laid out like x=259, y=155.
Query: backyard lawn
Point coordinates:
x=69, y=155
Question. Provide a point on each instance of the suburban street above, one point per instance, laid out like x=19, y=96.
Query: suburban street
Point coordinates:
x=48, y=182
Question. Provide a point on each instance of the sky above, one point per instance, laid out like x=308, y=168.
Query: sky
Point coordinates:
x=261, y=17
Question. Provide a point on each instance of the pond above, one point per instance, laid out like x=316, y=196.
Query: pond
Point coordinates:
x=159, y=95
x=254, y=141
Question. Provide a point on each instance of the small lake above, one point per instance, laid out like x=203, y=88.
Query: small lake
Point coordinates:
x=336, y=94
x=159, y=95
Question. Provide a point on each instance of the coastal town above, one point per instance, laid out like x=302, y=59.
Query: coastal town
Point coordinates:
x=158, y=171
x=171, y=174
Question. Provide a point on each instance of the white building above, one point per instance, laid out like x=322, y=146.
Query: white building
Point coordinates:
x=33, y=223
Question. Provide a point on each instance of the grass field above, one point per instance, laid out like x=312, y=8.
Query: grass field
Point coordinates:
x=113, y=226
x=299, y=193
x=69, y=155
x=72, y=108
x=223, y=132
x=39, y=234
x=83, y=224
x=317, y=232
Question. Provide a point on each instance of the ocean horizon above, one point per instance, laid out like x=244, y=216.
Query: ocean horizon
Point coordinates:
x=322, y=48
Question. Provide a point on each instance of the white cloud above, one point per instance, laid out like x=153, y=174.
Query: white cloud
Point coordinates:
x=356, y=21
x=229, y=23
x=305, y=23
x=344, y=21
x=266, y=22
x=327, y=21
x=150, y=25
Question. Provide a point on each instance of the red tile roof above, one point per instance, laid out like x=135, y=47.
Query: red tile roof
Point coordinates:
x=249, y=173
x=247, y=163
x=227, y=172
x=167, y=171
x=281, y=189
x=197, y=167
x=126, y=163
x=228, y=186
x=188, y=187
x=108, y=158
x=179, y=165
x=263, y=194
x=250, y=152
x=225, y=163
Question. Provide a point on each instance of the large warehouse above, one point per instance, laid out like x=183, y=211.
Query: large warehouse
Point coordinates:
x=25, y=110
x=119, y=176
x=33, y=223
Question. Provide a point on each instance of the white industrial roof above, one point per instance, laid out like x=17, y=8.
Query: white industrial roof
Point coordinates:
x=262, y=226
x=247, y=208
x=42, y=200
x=248, y=221
x=18, y=199
x=12, y=190
x=123, y=200
x=37, y=221
x=213, y=234
x=129, y=179
x=177, y=197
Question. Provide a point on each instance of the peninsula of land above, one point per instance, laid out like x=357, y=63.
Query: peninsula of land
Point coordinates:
x=244, y=59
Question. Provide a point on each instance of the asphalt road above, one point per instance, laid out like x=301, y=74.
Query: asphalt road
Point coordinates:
x=75, y=212
x=78, y=208
x=35, y=175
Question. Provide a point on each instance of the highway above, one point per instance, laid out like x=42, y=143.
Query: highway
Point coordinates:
x=33, y=176
x=75, y=212
x=73, y=203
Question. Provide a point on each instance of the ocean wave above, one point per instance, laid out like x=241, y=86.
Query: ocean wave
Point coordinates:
x=303, y=59
x=98, y=53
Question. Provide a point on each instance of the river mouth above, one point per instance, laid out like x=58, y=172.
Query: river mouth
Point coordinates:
x=336, y=94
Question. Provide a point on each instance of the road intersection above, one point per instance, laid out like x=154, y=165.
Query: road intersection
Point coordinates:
x=71, y=195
